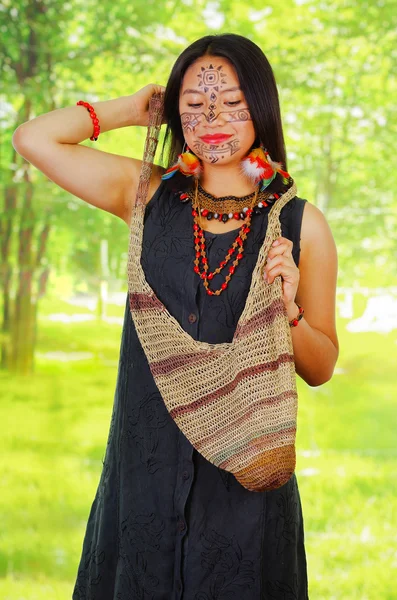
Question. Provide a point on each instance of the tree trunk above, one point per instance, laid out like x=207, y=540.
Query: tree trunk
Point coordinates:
x=24, y=284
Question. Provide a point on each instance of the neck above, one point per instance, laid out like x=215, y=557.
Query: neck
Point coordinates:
x=225, y=180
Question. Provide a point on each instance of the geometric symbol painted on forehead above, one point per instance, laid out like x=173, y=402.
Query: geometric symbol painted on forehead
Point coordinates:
x=213, y=97
x=211, y=77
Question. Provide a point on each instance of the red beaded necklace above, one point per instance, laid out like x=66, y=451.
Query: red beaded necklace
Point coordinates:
x=199, y=241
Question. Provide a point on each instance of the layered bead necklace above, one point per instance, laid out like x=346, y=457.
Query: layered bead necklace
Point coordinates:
x=223, y=209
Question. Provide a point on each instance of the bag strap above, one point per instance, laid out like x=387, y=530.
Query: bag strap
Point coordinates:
x=156, y=109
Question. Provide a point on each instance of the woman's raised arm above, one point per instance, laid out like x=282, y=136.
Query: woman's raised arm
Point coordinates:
x=51, y=142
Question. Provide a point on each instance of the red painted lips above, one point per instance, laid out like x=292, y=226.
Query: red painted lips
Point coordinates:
x=215, y=138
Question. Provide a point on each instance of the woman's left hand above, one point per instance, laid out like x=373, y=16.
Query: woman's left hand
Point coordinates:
x=281, y=262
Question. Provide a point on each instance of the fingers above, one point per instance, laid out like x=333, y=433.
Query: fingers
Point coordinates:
x=287, y=272
x=158, y=89
x=279, y=260
x=281, y=245
x=270, y=269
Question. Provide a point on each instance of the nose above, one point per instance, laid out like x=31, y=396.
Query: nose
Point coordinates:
x=214, y=118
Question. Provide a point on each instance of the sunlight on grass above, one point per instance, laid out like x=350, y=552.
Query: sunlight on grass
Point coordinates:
x=27, y=589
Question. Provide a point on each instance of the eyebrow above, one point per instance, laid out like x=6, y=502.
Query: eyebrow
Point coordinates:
x=231, y=89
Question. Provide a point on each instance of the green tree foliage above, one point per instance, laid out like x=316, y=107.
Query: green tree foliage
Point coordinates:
x=52, y=53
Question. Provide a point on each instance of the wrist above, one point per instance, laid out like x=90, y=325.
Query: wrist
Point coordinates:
x=115, y=113
x=133, y=111
x=292, y=310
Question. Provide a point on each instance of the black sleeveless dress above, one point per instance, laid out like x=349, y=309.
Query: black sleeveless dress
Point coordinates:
x=167, y=524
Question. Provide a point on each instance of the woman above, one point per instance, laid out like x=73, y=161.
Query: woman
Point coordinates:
x=165, y=522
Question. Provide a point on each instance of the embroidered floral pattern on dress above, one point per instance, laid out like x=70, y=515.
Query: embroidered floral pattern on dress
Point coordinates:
x=230, y=575
x=277, y=590
x=285, y=524
x=134, y=580
x=91, y=558
x=141, y=535
x=144, y=423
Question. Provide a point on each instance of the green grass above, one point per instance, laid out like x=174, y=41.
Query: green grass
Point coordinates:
x=54, y=434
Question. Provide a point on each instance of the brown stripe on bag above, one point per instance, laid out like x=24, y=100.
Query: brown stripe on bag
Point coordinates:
x=264, y=317
x=140, y=301
x=226, y=389
x=176, y=361
x=274, y=401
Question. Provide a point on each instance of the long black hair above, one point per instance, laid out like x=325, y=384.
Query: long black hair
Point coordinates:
x=257, y=82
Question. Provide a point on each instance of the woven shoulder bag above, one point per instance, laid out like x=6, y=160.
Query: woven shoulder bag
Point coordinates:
x=235, y=402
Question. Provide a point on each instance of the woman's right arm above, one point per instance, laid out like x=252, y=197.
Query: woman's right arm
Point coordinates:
x=51, y=142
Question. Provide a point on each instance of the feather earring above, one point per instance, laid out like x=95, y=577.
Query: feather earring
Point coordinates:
x=259, y=167
x=188, y=164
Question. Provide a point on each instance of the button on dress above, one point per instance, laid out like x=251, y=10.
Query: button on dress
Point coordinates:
x=165, y=523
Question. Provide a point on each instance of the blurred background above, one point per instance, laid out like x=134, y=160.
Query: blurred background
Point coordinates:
x=63, y=272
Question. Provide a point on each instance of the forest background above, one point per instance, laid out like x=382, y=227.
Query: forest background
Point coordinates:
x=63, y=279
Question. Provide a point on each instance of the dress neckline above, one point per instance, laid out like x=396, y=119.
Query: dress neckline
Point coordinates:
x=213, y=234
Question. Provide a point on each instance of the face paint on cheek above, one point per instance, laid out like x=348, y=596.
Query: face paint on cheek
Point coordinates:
x=189, y=121
x=242, y=114
x=215, y=152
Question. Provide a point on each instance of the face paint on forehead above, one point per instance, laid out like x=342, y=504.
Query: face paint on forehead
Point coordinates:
x=212, y=79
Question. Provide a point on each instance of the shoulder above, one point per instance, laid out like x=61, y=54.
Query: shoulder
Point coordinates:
x=318, y=249
x=315, y=231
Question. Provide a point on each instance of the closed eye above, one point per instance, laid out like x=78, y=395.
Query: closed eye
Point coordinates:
x=234, y=103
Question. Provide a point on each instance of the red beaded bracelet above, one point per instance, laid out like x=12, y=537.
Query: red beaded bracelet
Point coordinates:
x=94, y=118
x=295, y=322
